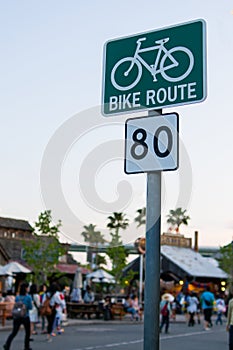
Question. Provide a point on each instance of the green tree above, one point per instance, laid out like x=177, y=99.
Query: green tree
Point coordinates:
x=117, y=252
x=177, y=217
x=140, y=219
x=94, y=238
x=226, y=262
x=42, y=253
x=116, y=222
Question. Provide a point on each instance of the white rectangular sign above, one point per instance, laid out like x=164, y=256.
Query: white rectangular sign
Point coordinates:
x=152, y=143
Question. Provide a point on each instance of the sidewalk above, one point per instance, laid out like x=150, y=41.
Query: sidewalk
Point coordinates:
x=81, y=322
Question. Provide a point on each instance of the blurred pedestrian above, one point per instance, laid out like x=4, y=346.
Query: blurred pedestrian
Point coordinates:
x=76, y=296
x=9, y=298
x=221, y=308
x=25, y=320
x=34, y=313
x=207, y=302
x=165, y=310
x=198, y=313
x=107, y=305
x=60, y=307
x=89, y=296
x=229, y=327
x=50, y=295
x=42, y=294
x=173, y=309
x=130, y=308
x=192, y=303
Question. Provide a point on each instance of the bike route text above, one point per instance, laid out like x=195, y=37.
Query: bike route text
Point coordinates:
x=153, y=98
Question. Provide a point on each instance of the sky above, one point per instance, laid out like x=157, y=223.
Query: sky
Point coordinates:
x=58, y=152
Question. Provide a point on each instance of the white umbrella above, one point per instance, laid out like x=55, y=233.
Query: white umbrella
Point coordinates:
x=78, y=280
x=102, y=276
x=12, y=268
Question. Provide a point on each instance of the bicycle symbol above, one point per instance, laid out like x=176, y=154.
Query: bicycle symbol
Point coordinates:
x=164, y=61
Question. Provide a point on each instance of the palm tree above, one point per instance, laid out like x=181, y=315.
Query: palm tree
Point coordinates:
x=116, y=251
x=177, y=217
x=117, y=221
x=94, y=238
x=141, y=218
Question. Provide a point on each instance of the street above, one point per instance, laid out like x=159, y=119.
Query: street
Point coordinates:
x=125, y=336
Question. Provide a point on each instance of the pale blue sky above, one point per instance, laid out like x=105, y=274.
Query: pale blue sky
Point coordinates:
x=51, y=69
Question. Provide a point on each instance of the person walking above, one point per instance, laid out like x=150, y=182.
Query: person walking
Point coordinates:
x=207, y=301
x=221, y=307
x=192, y=303
x=34, y=313
x=229, y=326
x=42, y=294
x=60, y=307
x=52, y=302
x=165, y=310
x=26, y=299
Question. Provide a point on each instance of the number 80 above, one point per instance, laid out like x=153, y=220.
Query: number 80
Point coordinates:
x=141, y=141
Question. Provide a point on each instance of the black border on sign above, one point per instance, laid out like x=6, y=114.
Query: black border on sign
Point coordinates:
x=178, y=150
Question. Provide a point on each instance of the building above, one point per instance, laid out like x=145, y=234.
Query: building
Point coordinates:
x=182, y=265
x=12, y=232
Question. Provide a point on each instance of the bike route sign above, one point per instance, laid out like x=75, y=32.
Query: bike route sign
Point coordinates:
x=157, y=69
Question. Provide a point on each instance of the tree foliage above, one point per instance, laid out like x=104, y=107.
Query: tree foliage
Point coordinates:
x=177, y=217
x=140, y=219
x=116, y=251
x=42, y=253
x=116, y=222
x=94, y=238
x=226, y=261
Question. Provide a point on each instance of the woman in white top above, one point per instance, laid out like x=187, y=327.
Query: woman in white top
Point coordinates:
x=192, y=302
x=34, y=313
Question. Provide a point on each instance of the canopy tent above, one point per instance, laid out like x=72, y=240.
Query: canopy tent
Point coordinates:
x=13, y=268
x=2, y=272
x=101, y=276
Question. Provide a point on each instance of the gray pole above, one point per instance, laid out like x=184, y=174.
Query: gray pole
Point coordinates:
x=140, y=278
x=152, y=264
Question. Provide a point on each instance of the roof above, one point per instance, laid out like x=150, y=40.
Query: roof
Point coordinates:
x=15, y=224
x=12, y=247
x=71, y=269
x=193, y=263
x=132, y=266
x=4, y=253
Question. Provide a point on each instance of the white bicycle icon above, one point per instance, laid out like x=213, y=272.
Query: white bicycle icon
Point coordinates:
x=160, y=65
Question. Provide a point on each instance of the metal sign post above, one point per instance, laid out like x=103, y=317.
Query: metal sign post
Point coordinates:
x=152, y=265
x=151, y=71
x=140, y=278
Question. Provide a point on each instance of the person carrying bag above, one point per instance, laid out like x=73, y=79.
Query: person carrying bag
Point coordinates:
x=23, y=303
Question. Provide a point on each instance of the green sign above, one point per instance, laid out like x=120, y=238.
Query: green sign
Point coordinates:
x=157, y=69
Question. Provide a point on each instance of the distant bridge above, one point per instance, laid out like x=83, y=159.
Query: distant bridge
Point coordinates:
x=101, y=248
x=205, y=251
